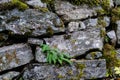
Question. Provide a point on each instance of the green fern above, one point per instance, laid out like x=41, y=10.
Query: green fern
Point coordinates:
x=54, y=55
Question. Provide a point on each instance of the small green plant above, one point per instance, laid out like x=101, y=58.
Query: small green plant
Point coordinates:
x=21, y=78
x=54, y=55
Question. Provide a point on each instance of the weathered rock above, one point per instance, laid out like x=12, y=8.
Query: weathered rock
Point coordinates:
x=112, y=36
x=39, y=56
x=86, y=24
x=36, y=3
x=118, y=53
x=4, y=1
x=76, y=26
x=94, y=55
x=117, y=2
x=73, y=26
x=73, y=12
x=30, y=22
x=14, y=56
x=85, y=69
x=77, y=43
x=107, y=20
x=94, y=68
x=118, y=31
x=111, y=3
x=35, y=41
x=91, y=23
x=9, y=75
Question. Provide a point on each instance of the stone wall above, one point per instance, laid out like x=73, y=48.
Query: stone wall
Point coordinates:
x=88, y=30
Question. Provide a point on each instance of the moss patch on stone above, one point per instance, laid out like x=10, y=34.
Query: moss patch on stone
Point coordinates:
x=80, y=68
x=104, y=3
x=110, y=54
x=115, y=14
x=13, y=4
x=20, y=5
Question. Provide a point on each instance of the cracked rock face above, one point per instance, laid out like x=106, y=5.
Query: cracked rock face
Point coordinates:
x=30, y=22
x=92, y=68
x=70, y=12
x=77, y=43
x=14, y=56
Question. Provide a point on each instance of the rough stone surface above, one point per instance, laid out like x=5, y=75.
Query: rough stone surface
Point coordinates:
x=107, y=20
x=86, y=24
x=14, y=56
x=73, y=12
x=30, y=22
x=117, y=2
x=4, y=1
x=92, y=68
x=91, y=23
x=9, y=75
x=73, y=26
x=118, y=53
x=39, y=56
x=112, y=36
x=111, y=3
x=94, y=55
x=35, y=41
x=77, y=43
x=118, y=31
x=76, y=26
x=36, y=3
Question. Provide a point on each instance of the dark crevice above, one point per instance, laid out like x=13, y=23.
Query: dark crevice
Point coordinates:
x=33, y=47
x=83, y=19
x=17, y=39
x=17, y=69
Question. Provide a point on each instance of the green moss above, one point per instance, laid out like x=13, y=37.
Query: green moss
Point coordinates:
x=102, y=33
x=104, y=3
x=49, y=31
x=20, y=5
x=115, y=14
x=43, y=9
x=60, y=76
x=109, y=53
x=12, y=4
x=5, y=6
x=102, y=23
x=70, y=72
x=101, y=12
x=48, y=1
x=93, y=54
x=80, y=68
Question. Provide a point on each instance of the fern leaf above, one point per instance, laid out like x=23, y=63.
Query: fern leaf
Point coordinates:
x=66, y=60
x=66, y=56
x=60, y=61
x=50, y=58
